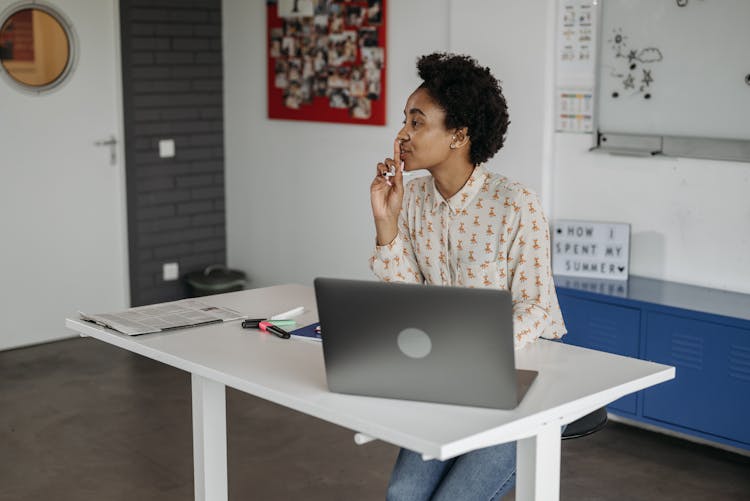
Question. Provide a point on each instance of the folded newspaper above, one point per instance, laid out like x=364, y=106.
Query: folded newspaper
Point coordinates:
x=164, y=316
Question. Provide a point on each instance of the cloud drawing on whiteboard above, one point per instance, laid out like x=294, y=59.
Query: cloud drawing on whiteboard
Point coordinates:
x=631, y=69
x=650, y=55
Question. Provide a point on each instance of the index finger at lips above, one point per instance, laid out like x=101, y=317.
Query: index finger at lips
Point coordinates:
x=397, y=152
x=399, y=177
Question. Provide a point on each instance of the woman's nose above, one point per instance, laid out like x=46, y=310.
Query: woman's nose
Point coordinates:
x=402, y=135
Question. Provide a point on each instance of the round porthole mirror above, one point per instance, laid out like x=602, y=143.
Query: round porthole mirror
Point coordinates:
x=37, y=47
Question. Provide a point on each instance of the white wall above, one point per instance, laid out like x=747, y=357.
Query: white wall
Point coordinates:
x=511, y=37
x=690, y=219
x=297, y=193
x=303, y=188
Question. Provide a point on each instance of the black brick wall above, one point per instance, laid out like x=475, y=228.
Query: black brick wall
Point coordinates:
x=172, y=89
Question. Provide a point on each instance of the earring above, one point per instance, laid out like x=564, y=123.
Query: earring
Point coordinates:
x=453, y=146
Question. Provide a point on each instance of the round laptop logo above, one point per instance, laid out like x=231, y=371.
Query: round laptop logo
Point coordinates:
x=414, y=343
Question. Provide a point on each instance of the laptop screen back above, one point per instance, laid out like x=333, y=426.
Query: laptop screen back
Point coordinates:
x=418, y=342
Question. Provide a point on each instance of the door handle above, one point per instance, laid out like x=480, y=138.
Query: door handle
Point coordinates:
x=112, y=143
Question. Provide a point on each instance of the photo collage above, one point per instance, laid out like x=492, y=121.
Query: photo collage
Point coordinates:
x=330, y=51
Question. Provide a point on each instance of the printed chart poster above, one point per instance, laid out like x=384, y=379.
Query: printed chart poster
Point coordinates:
x=326, y=60
x=576, y=28
x=591, y=249
x=575, y=111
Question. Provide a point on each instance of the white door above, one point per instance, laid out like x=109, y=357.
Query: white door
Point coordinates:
x=62, y=206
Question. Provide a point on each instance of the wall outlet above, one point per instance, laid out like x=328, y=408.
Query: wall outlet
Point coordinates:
x=170, y=271
x=166, y=148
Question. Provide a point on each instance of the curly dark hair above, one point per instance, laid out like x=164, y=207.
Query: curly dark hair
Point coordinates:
x=471, y=98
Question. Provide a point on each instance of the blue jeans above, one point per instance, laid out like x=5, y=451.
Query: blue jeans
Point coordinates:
x=484, y=474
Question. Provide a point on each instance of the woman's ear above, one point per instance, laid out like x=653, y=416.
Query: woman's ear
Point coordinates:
x=460, y=138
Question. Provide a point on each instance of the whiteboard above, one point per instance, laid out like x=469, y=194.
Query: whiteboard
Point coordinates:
x=674, y=68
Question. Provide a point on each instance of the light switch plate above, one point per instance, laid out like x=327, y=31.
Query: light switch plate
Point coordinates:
x=170, y=271
x=166, y=148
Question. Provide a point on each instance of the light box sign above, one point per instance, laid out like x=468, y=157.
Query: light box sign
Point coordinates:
x=591, y=249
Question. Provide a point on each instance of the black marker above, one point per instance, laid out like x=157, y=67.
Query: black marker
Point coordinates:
x=252, y=323
x=267, y=326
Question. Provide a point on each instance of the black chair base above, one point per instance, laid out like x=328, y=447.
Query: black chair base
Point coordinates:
x=588, y=424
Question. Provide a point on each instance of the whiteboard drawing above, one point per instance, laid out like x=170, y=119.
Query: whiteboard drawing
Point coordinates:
x=632, y=72
x=618, y=41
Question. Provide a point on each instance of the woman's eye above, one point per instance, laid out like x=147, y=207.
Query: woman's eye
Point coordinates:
x=414, y=123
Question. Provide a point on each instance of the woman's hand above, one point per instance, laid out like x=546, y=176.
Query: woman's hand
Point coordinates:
x=386, y=196
x=387, y=192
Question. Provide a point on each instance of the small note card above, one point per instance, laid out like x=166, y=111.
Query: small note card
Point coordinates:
x=591, y=249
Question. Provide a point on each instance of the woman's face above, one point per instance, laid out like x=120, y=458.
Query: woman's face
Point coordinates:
x=425, y=142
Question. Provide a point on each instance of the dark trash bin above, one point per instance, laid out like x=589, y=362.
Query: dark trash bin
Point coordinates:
x=215, y=279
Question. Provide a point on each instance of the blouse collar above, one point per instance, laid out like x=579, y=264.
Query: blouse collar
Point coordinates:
x=465, y=195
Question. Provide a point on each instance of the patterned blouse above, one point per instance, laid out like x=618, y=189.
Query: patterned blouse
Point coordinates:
x=492, y=233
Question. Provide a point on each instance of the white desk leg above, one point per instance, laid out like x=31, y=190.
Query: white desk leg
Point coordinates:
x=209, y=439
x=538, y=466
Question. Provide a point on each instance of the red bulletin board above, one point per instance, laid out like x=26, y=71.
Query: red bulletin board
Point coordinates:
x=326, y=60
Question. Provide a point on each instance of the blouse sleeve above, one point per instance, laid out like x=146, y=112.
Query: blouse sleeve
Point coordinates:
x=535, y=308
x=396, y=262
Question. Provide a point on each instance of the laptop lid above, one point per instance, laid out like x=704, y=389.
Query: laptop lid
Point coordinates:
x=420, y=342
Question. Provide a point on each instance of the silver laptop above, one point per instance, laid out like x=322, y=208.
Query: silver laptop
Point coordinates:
x=419, y=342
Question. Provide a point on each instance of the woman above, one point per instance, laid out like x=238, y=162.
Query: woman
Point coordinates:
x=462, y=225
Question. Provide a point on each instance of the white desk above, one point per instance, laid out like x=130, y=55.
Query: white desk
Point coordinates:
x=572, y=382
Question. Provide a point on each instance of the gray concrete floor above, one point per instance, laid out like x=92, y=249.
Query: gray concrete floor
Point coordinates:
x=81, y=420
